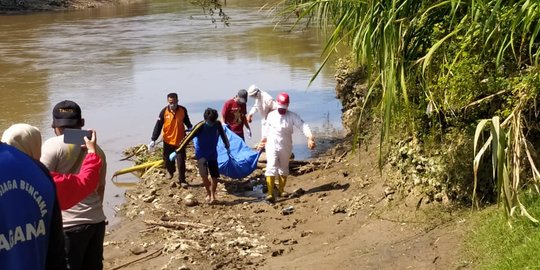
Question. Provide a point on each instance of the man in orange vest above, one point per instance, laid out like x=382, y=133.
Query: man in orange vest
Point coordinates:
x=171, y=124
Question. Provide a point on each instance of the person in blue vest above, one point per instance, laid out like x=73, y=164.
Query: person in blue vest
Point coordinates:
x=31, y=234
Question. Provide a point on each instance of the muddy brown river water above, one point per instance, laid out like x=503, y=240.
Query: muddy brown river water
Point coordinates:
x=119, y=62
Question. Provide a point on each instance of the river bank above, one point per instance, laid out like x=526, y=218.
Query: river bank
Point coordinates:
x=24, y=6
x=341, y=215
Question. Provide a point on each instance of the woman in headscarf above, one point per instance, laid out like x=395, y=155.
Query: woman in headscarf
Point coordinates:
x=70, y=188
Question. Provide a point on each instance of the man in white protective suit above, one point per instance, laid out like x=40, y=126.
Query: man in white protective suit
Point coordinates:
x=264, y=104
x=277, y=138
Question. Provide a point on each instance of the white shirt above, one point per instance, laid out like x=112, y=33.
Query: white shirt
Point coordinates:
x=279, y=129
x=67, y=158
x=264, y=103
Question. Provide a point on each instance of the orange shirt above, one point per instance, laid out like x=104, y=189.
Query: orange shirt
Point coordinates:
x=171, y=124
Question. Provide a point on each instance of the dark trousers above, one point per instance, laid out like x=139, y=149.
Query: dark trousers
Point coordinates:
x=84, y=246
x=180, y=161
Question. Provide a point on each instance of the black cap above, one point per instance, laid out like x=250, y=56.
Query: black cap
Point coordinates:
x=67, y=114
x=242, y=96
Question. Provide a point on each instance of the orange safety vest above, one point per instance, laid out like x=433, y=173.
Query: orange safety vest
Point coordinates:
x=173, y=126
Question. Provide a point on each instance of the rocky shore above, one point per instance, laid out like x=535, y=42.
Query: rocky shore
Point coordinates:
x=340, y=214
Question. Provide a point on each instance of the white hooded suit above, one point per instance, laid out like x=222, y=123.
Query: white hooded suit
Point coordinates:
x=278, y=133
x=264, y=104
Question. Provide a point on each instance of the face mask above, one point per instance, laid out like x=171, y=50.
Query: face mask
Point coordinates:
x=173, y=107
x=281, y=111
x=209, y=124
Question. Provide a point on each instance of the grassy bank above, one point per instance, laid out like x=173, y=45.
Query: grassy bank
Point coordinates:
x=496, y=243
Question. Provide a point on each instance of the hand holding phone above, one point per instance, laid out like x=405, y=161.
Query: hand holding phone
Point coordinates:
x=76, y=136
x=91, y=143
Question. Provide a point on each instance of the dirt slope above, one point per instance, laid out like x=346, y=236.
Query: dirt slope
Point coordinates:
x=343, y=218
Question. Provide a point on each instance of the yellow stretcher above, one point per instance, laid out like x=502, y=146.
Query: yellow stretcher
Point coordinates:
x=149, y=166
x=144, y=166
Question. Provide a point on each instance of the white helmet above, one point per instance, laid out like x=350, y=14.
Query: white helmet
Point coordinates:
x=253, y=90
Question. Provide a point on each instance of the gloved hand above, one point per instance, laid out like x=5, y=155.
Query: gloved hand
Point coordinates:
x=249, y=133
x=151, y=145
x=311, y=143
x=261, y=145
x=172, y=156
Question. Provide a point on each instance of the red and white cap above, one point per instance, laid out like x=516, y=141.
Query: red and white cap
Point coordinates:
x=283, y=100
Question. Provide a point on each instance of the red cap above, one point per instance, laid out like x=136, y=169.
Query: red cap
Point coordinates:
x=283, y=100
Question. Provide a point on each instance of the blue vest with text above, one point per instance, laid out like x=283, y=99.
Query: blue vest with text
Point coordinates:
x=27, y=197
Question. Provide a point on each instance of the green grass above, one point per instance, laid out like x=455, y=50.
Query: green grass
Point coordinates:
x=498, y=243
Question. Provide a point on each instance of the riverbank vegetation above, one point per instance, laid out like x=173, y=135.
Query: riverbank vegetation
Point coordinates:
x=461, y=78
x=437, y=69
x=494, y=245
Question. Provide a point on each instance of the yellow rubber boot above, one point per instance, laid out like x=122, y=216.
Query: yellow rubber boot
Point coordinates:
x=270, y=185
x=282, y=183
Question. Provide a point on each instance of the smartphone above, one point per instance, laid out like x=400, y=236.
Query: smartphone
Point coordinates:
x=76, y=136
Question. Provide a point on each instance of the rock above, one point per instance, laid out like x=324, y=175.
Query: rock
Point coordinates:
x=288, y=242
x=416, y=180
x=165, y=218
x=389, y=191
x=138, y=250
x=339, y=208
x=184, y=247
x=287, y=210
x=403, y=151
x=107, y=243
x=149, y=198
x=277, y=252
x=170, y=247
x=189, y=196
x=191, y=202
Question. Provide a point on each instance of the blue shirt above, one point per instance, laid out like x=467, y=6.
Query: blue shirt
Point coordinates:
x=206, y=141
x=27, y=203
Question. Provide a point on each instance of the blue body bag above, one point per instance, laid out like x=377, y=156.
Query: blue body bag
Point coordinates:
x=242, y=160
